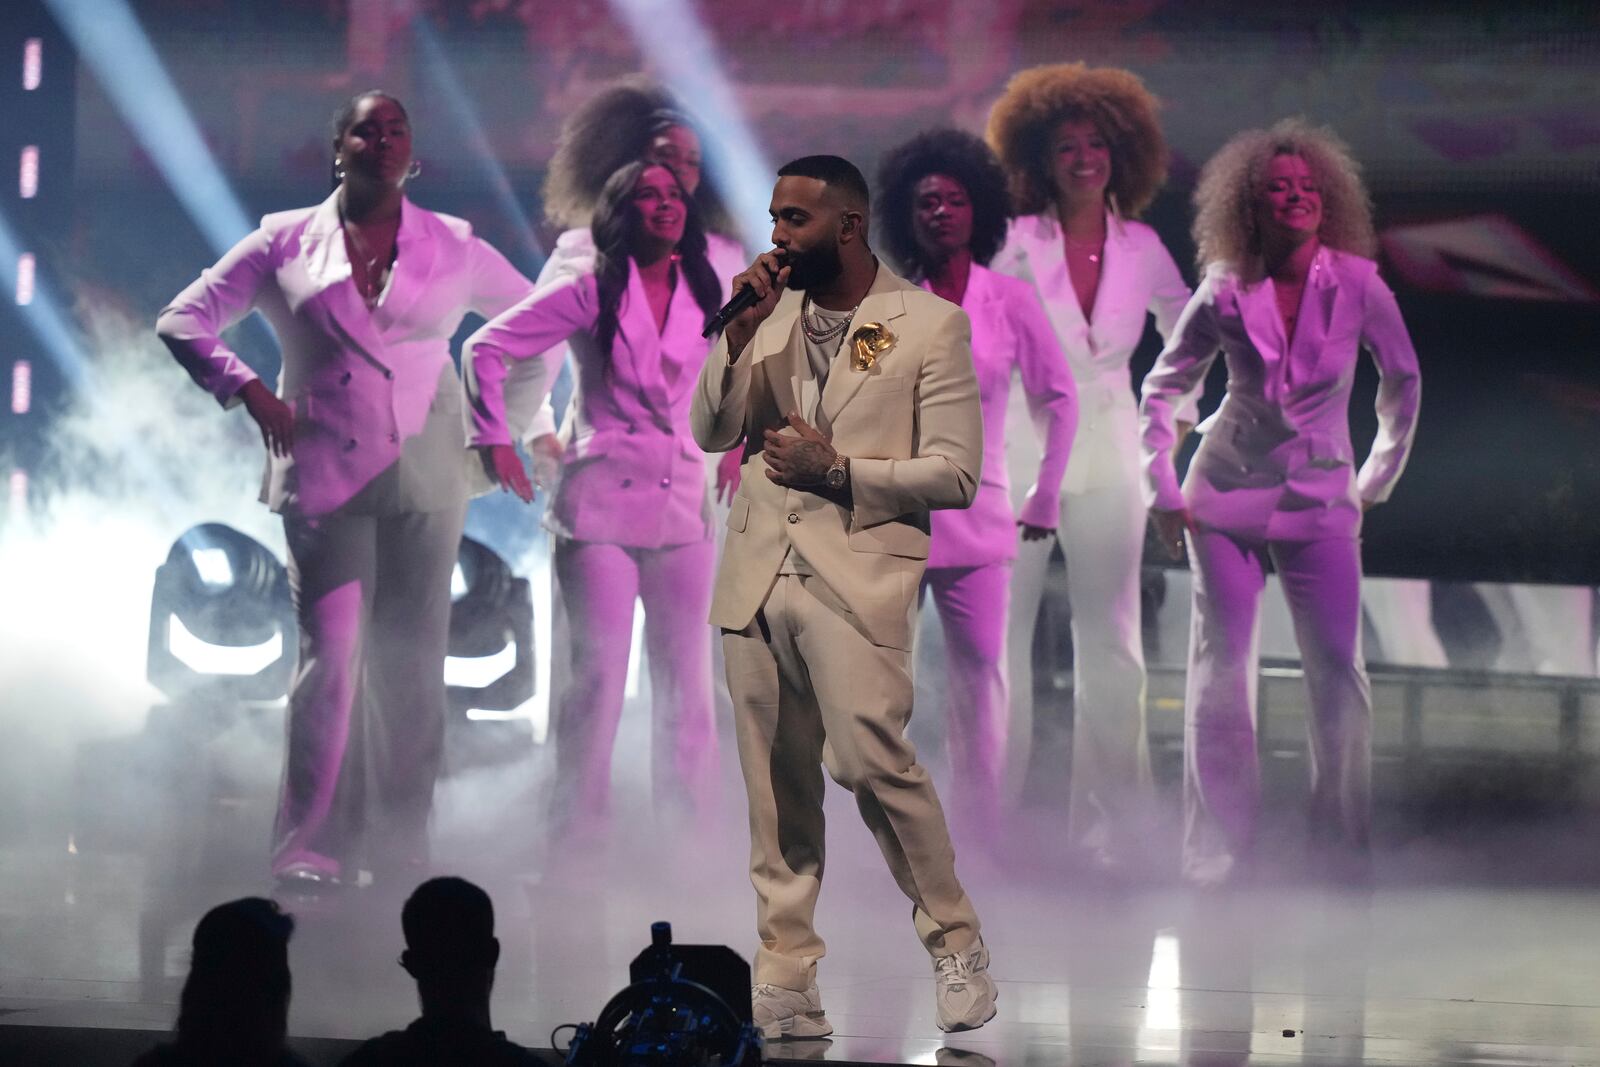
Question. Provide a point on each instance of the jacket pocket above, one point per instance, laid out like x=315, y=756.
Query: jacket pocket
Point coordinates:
x=891, y=538
x=738, y=514
x=884, y=383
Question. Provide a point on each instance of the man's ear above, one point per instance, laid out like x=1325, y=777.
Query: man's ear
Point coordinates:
x=850, y=225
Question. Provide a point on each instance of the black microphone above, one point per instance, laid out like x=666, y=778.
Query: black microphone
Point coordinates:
x=745, y=298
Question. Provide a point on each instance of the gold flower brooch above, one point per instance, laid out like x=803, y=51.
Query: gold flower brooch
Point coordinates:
x=870, y=341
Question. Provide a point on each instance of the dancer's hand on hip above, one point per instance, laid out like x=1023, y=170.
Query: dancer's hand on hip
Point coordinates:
x=505, y=467
x=274, y=418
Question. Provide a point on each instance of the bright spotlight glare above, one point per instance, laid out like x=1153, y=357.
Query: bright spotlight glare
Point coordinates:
x=205, y=658
x=25, y=272
x=32, y=63
x=19, y=490
x=28, y=172
x=213, y=567
x=479, y=672
x=111, y=41
x=21, y=386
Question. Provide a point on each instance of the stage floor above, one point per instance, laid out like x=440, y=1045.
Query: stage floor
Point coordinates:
x=1475, y=945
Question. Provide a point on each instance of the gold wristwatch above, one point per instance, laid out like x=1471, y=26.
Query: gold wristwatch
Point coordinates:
x=839, y=473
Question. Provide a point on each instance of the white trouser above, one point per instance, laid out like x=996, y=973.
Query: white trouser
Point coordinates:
x=1102, y=537
x=1221, y=776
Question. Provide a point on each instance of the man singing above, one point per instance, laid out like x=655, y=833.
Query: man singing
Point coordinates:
x=853, y=393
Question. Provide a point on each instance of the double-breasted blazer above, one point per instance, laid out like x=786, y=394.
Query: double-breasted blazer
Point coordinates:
x=1137, y=277
x=910, y=424
x=1011, y=338
x=631, y=472
x=371, y=389
x=1276, y=460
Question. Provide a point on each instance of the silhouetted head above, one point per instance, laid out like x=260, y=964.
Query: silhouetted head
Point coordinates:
x=235, y=1002
x=449, y=931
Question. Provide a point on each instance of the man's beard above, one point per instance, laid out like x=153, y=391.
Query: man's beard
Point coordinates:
x=815, y=267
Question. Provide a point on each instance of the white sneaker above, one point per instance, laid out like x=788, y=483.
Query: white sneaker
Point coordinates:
x=782, y=1013
x=963, y=991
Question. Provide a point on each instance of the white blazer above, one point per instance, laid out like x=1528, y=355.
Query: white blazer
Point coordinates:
x=573, y=257
x=1276, y=460
x=372, y=389
x=631, y=473
x=1137, y=277
x=1010, y=338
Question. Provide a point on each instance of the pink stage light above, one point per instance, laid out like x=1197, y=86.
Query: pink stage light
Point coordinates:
x=25, y=279
x=21, y=387
x=28, y=172
x=19, y=490
x=32, y=63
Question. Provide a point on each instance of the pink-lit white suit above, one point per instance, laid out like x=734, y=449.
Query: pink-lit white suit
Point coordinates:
x=373, y=500
x=971, y=551
x=1102, y=519
x=632, y=520
x=1275, y=476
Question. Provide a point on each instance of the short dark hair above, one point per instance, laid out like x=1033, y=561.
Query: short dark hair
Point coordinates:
x=954, y=153
x=836, y=172
x=449, y=923
x=345, y=118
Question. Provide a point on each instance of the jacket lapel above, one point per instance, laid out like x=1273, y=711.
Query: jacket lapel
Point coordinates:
x=415, y=253
x=327, y=267
x=781, y=353
x=1046, y=253
x=1258, y=308
x=884, y=302
x=1316, y=316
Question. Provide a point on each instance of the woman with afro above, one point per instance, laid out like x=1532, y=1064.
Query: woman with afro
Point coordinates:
x=1289, y=296
x=1085, y=154
x=942, y=202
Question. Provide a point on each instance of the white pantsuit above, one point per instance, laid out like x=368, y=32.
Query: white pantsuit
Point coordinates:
x=373, y=499
x=819, y=662
x=970, y=553
x=1102, y=518
x=632, y=520
x=1275, y=476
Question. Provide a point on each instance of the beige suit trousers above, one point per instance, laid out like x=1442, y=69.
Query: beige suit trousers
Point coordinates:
x=808, y=689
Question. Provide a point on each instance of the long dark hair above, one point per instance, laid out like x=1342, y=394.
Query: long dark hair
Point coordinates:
x=615, y=226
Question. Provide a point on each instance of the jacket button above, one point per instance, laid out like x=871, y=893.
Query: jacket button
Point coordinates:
x=632, y=428
x=626, y=482
x=344, y=379
x=793, y=518
x=666, y=483
x=348, y=445
x=393, y=438
x=389, y=374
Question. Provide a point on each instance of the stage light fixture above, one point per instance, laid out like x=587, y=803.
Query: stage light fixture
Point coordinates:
x=685, y=1006
x=221, y=621
x=489, y=669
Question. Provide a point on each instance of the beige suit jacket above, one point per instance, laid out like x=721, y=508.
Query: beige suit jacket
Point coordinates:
x=911, y=425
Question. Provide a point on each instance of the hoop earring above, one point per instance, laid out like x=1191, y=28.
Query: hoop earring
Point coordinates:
x=414, y=171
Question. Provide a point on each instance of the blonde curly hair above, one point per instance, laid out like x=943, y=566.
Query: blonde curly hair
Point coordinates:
x=1225, y=199
x=1039, y=99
